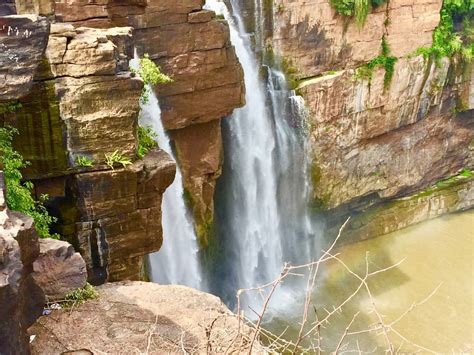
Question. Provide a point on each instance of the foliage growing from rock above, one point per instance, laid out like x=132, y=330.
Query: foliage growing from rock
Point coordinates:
x=80, y=296
x=355, y=8
x=146, y=140
x=10, y=107
x=447, y=41
x=151, y=75
x=116, y=158
x=383, y=60
x=84, y=161
x=19, y=195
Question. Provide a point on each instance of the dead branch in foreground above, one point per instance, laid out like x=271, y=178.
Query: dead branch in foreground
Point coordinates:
x=278, y=343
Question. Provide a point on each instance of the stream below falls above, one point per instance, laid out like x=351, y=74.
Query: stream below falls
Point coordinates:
x=435, y=253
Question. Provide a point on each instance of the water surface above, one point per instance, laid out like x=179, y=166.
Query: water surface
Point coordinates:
x=436, y=253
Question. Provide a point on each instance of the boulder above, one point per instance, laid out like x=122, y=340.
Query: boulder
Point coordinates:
x=59, y=269
x=21, y=299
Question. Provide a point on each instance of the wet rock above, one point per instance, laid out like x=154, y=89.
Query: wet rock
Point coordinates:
x=58, y=268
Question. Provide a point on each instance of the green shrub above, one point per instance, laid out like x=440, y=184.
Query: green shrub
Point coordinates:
x=151, y=75
x=446, y=41
x=84, y=161
x=146, y=140
x=355, y=8
x=79, y=296
x=10, y=107
x=383, y=60
x=116, y=158
x=19, y=197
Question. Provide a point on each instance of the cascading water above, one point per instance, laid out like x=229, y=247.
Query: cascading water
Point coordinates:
x=262, y=197
x=177, y=262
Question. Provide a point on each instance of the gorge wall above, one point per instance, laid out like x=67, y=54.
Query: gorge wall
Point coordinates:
x=372, y=141
x=66, y=64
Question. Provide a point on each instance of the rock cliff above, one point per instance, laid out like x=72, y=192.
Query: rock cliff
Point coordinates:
x=373, y=138
x=78, y=99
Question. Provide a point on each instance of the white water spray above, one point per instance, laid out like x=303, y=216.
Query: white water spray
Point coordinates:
x=177, y=262
x=263, y=193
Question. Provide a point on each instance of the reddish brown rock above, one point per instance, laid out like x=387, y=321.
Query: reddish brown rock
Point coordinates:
x=374, y=143
x=58, y=269
x=114, y=217
x=200, y=165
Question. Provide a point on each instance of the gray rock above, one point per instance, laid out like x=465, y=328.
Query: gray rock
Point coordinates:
x=59, y=269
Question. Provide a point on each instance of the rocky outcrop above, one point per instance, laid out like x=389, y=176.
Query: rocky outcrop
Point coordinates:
x=58, y=269
x=85, y=103
x=159, y=319
x=21, y=299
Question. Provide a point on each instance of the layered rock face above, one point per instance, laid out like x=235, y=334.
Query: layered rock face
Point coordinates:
x=79, y=101
x=314, y=39
x=159, y=319
x=21, y=299
x=194, y=48
x=372, y=140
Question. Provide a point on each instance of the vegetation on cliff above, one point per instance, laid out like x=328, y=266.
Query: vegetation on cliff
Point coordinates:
x=19, y=195
x=146, y=140
x=455, y=32
x=384, y=60
x=359, y=9
x=151, y=75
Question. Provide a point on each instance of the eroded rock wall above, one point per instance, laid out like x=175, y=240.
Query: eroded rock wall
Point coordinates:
x=193, y=47
x=374, y=140
x=79, y=100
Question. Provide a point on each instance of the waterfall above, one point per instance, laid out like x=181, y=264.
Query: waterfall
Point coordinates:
x=262, y=218
x=177, y=262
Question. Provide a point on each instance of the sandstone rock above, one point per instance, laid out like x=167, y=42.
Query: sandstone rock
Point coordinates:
x=38, y=7
x=159, y=319
x=201, y=16
x=23, y=41
x=458, y=195
x=114, y=217
x=314, y=38
x=200, y=166
x=373, y=143
x=88, y=104
x=21, y=299
x=59, y=269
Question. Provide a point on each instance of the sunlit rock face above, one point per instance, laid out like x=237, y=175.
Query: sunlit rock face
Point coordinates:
x=314, y=38
x=21, y=299
x=194, y=48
